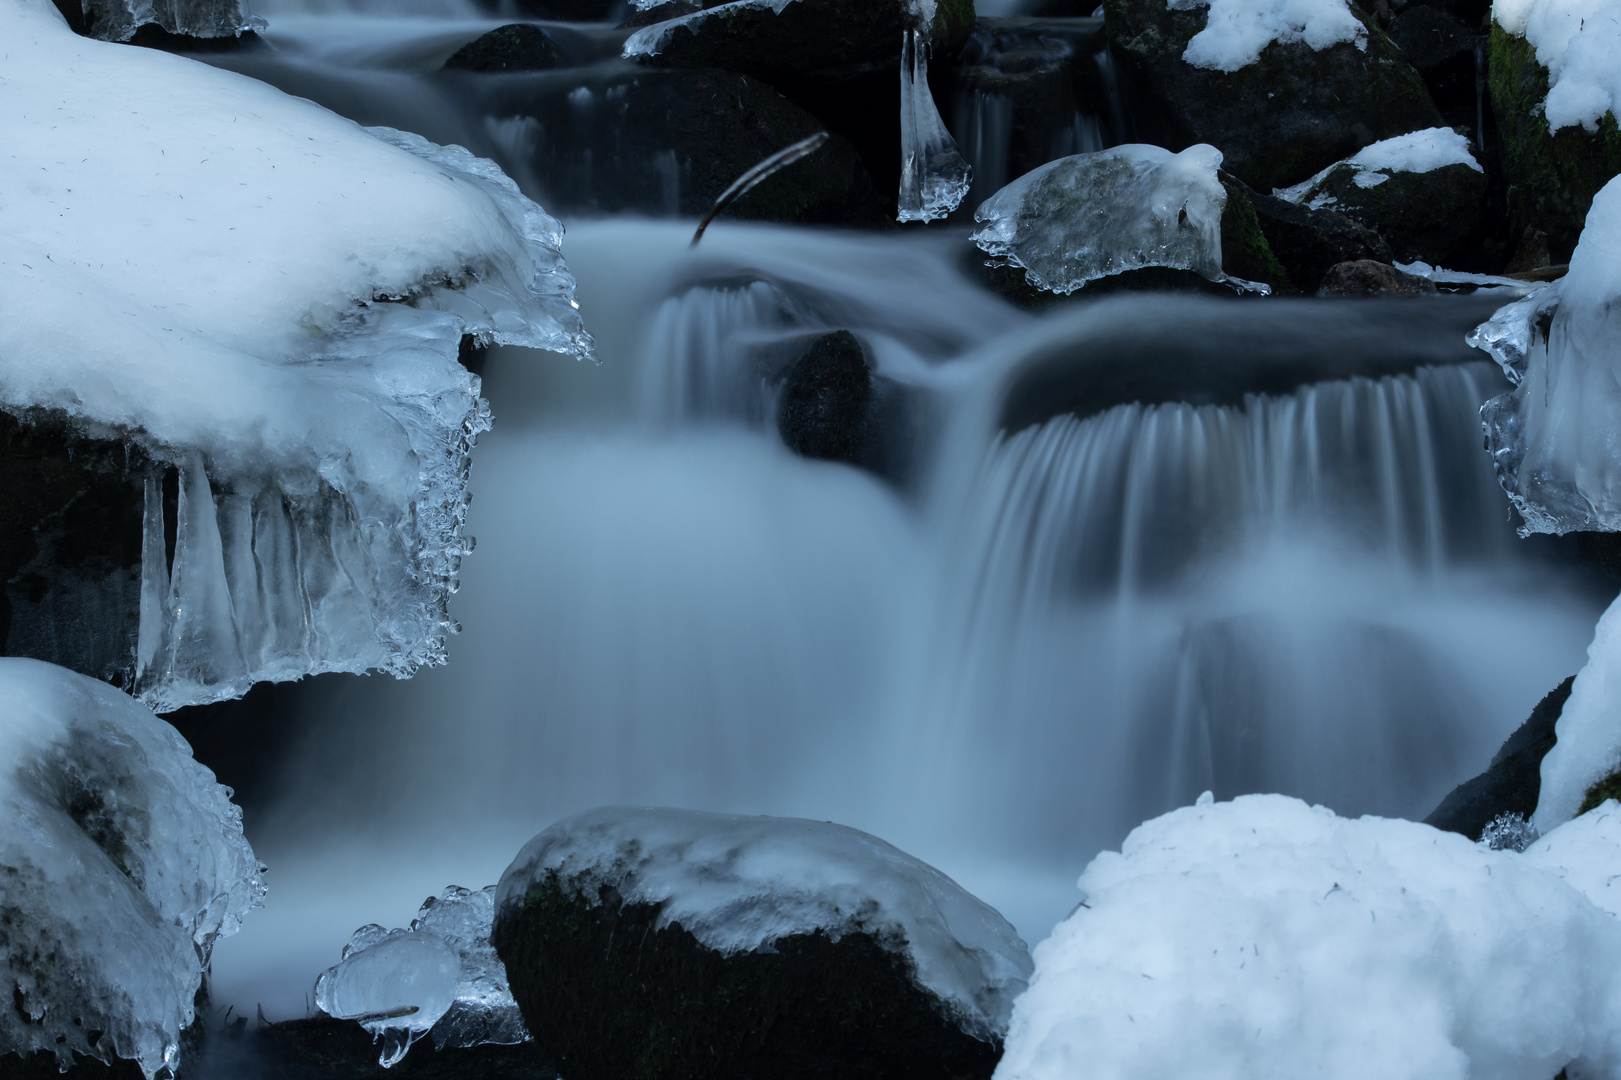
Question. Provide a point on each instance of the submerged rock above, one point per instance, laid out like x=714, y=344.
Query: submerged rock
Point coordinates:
x=668, y=943
x=822, y=410
x=518, y=47
x=1366, y=277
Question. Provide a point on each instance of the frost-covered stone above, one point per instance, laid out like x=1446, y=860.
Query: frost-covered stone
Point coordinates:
x=121, y=863
x=117, y=20
x=1265, y=937
x=271, y=299
x=1089, y=216
x=762, y=945
x=1552, y=438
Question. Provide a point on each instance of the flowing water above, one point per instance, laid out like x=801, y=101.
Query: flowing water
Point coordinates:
x=1058, y=602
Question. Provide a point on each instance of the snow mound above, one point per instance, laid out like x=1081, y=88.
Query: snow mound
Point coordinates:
x=1238, y=31
x=270, y=298
x=441, y=976
x=1588, y=730
x=1586, y=852
x=1265, y=937
x=121, y=863
x=1552, y=438
x=1578, y=42
x=739, y=883
x=1089, y=216
x=1416, y=152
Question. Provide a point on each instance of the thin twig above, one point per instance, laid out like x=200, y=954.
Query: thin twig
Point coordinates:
x=747, y=182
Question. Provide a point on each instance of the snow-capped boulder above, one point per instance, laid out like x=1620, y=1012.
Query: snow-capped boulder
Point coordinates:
x=121, y=863
x=662, y=943
x=1282, y=89
x=1308, y=242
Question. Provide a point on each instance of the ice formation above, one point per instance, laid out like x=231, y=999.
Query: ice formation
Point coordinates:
x=934, y=176
x=1588, y=730
x=1578, y=42
x=1552, y=438
x=121, y=863
x=1086, y=217
x=1265, y=937
x=651, y=40
x=1238, y=31
x=270, y=298
x=1416, y=152
x=739, y=883
x=117, y=20
x=440, y=977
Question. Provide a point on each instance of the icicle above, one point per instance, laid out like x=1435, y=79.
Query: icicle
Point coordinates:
x=154, y=580
x=934, y=176
x=203, y=647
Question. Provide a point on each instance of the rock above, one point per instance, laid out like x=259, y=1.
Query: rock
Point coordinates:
x=119, y=20
x=598, y=11
x=1512, y=782
x=669, y=142
x=1442, y=47
x=1307, y=242
x=1279, y=120
x=321, y=1048
x=822, y=410
x=1365, y=277
x=518, y=47
x=1552, y=176
x=1424, y=216
x=1245, y=251
x=648, y=944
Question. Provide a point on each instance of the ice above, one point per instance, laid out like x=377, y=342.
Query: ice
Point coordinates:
x=1086, y=217
x=1265, y=937
x=270, y=299
x=1577, y=41
x=121, y=863
x=934, y=176
x=441, y=977
x=1239, y=30
x=117, y=20
x=1417, y=152
x=1508, y=832
x=1588, y=730
x=1552, y=438
x=738, y=883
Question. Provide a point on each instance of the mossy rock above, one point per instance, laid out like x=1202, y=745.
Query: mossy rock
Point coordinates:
x=1293, y=112
x=1552, y=176
x=1308, y=243
x=1245, y=251
x=1429, y=216
x=612, y=996
x=1607, y=788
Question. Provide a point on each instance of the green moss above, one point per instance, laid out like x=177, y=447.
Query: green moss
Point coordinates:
x=953, y=22
x=1245, y=252
x=1607, y=788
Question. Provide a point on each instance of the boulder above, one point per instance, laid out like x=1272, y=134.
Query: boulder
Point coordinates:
x=518, y=47
x=119, y=20
x=1290, y=114
x=1442, y=48
x=648, y=944
x=1365, y=277
x=1513, y=780
x=823, y=405
x=1245, y=250
x=1423, y=216
x=1552, y=176
x=1307, y=242
x=597, y=11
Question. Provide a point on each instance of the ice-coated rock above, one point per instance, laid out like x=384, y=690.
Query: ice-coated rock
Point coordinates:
x=1089, y=216
x=269, y=298
x=121, y=863
x=440, y=976
x=1553, y=437
x=117, y=20
x=1265, y=937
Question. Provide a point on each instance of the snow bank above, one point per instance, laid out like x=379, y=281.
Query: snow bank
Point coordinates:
x=1588, y=730
x=121, y=863
x=1089, y=216
x=1238, y=31
x=1586, y=852
x=1578, y=42
x=1553, y=437
x=1416, y=152
x=739, y=883
x=1265, y=937
x=271, y=298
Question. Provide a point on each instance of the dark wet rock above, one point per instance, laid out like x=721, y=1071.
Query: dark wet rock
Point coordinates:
x=1366, y=277
x=668, y=142
x=1431, y=216
x=70, y=545
x=1308, y=242
x=596, y=11
x=1552, y=177
x=120, y=20
x=321, y=1048
x=1245, y=250
x=823, y=405
x=518, y=47
x=1442, y=47
x=1512, y=782
x=1294, y=112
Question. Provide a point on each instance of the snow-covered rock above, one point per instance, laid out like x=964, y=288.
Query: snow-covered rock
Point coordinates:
x=1553, y=437
x=1265, y=937
x=1577, y=41
x=121, y=863
x=270, y=298
x=1239, y=30
x=1588, y=732
x=1417, y=152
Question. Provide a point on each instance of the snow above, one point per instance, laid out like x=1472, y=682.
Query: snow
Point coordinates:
x=1588, y=730
x=1577, y=41
x=270, y=298
x=1238, y=31
x=440, y=976
x=1416, y=152
x=1265, y=937
x=934, y=176
x=1552, y=437
x=1586, y=852
x=739, y=883
x=1088, y=216
x=121, y=863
